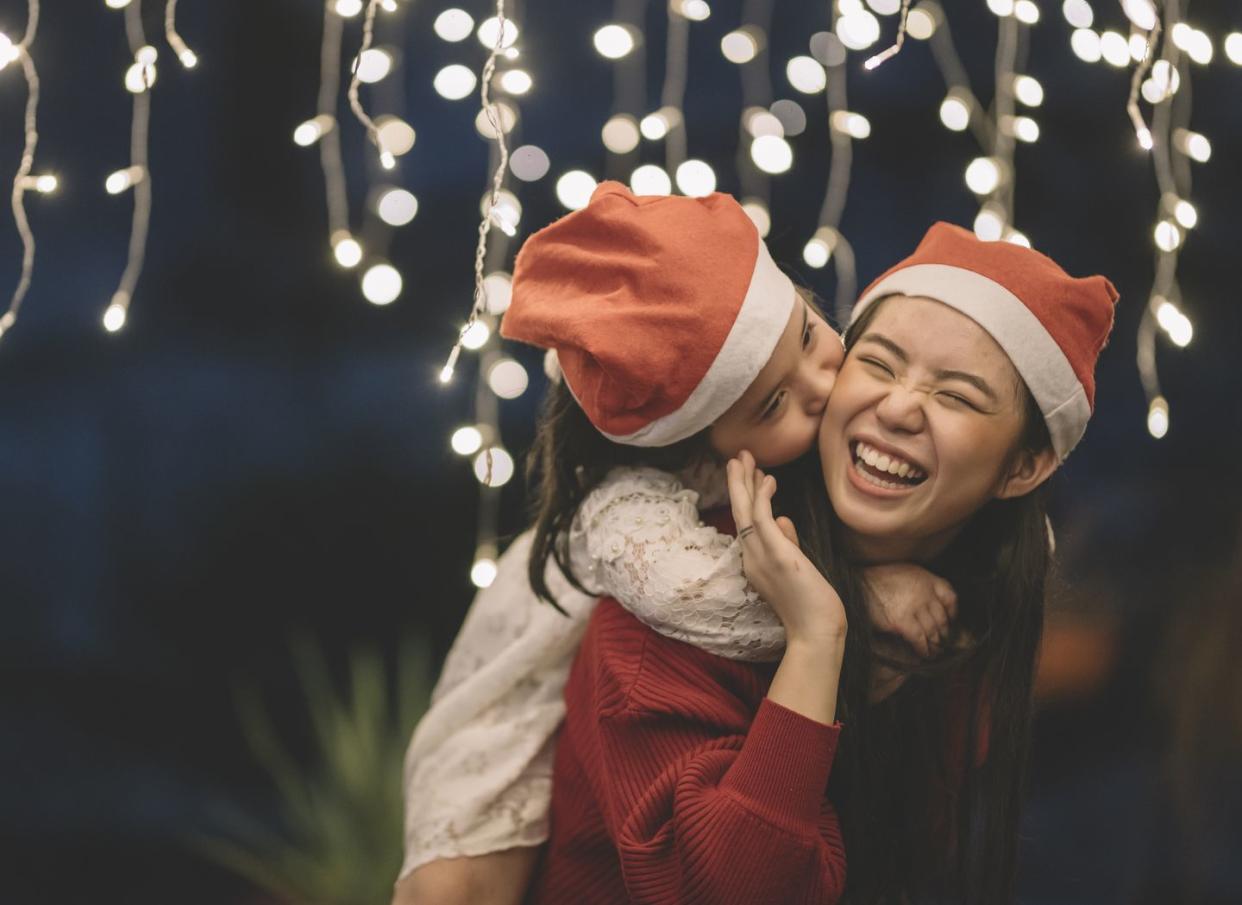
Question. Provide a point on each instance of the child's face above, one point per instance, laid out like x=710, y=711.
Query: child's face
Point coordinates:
x=777, y=419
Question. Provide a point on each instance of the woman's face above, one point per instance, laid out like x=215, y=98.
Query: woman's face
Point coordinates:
x=923, y=429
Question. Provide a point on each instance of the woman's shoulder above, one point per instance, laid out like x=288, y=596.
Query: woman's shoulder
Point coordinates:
x=647, y=672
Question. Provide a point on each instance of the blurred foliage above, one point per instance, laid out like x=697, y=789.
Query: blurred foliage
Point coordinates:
x=339, y=841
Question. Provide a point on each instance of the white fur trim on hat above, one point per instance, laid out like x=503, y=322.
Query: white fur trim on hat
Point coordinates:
x=1034, y=353
x=759, y=324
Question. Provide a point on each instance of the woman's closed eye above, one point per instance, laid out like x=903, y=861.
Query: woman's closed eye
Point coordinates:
x=877, y=365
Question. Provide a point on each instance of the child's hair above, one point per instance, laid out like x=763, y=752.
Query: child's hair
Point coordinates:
x=569, y=459
x=919, y=824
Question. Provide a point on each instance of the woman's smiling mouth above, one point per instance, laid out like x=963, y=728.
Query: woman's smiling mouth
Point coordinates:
x=883, y=471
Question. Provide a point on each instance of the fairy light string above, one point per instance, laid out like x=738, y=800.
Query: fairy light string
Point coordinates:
x=23, y=181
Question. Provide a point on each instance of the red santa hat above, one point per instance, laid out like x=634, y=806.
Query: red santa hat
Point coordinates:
x=1051, y=325
x=661, y=309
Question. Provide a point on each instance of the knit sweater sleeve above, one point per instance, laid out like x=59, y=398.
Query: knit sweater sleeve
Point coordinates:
x=706, y=799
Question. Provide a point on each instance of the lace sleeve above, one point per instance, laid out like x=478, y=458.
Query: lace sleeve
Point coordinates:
x=638, y=538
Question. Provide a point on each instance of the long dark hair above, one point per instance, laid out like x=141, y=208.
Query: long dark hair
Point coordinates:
x=924, y=816
x=569, y=459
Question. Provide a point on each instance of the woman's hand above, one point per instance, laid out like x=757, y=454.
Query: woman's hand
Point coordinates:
x=908, y=601
x=775, y=565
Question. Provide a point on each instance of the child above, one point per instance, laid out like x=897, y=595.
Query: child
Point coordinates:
x=681, y=343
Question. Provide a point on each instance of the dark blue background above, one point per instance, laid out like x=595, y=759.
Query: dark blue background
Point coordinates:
x=261, y=451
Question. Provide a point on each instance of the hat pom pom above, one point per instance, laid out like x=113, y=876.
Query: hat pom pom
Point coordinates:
x=552, y=366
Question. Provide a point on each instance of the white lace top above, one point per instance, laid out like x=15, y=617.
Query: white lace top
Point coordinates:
x=478, y=772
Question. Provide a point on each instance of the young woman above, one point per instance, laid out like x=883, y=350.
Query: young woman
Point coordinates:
x=684, y=777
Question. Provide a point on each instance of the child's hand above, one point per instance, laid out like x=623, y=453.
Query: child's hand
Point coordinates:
x=908, y=601
x=775, y=565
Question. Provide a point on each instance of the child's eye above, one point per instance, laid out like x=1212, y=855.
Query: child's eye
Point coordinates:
x=774, y=405
x=807, y=334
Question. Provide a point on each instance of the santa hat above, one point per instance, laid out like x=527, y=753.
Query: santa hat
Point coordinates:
x=661, y=309
x=1051, y=325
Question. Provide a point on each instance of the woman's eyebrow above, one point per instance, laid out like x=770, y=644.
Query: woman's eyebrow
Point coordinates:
x=949, y=374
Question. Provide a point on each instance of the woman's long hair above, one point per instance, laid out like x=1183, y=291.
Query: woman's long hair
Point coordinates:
x=929, y=783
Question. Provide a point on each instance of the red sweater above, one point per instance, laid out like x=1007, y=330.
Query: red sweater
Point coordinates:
x=678, y=781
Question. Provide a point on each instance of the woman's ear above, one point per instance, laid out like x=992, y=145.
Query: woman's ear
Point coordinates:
x=1027, y=471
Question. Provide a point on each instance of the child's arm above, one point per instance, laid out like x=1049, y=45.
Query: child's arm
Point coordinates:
x=910, y=602
x=497, y=878
x=640, y=539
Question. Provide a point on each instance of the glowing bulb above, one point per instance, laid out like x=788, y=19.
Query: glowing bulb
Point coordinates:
x=346, y=249
x=620, y=134
x=483, y=572
x=655, y=126
x=500, y=470
x=146, y=55
x=650, y=179
x=1001, y=7
x=772, y=154
x=1115, y=49
x=139, y=77
x=1186, y=214
x=694, y=10
x=454, y=81
x=758, y=213
x=397, y=207
x=505, y=213
x=739, y=46
x=114, y=316
x=8, y=53
x=855, y=125
x=1018, y=238
x=347, y=9
x=476, y=335
x=989, y=224
x=1028, y=90
x=466, y=441
x=381, y=284
x=614, y=41
x=120, y=180
x=885, y=7
x=1199, y=46
x=920, y=24
x=955, y=113
x=373, y=65
x=1145, y=140
x=1026, y=12
x=1193, y=145
x=504, y=114
x=1086, y=45
x=395, y=135
x=574, y=189
x=1025, y=129
x=696, y=178
x=454, y=25
x=507, y=378
x=762, y=122
x=818, y=251
x=116, y=4
x=1168, y=236
x=1233, y=47
x=790, y=115
x=1078, y=13
x=490, y=30
x=312, y=130
x=858, y=29
x=46, y=184
x=497, y=292
x=516, y=81
x=1158, y=417
x=983, y=175
x=529, y=163
x=806, y=75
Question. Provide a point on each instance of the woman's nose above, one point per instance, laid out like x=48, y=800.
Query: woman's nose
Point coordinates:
x=901, y=409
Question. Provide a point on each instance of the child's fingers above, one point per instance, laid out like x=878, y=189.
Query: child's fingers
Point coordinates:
x=931, y=631
x=785, y=523
x=945, y=593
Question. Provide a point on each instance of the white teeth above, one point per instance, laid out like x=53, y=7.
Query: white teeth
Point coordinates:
x=884, y=462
